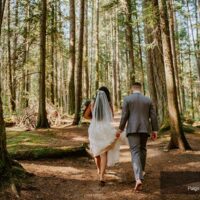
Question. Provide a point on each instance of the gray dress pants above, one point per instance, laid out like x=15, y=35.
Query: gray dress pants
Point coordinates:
x=137, y=143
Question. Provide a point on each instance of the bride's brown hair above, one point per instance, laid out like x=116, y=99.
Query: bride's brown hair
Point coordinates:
x=105, y=89
x=99, y=113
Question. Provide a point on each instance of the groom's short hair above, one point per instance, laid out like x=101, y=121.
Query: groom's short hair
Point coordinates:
x=137, y=84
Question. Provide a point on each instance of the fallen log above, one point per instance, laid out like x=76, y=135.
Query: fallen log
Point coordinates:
x=50, y=152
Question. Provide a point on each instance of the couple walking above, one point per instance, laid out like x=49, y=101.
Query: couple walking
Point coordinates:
x=137, y=115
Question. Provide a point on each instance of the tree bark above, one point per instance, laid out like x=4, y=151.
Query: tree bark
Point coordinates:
x=140, y=50
x=85, y=59
x=182, y=85
x=56, y=54
x=129, y=39
x=190, y=72
x=118, y=69
x=2, y=8
x=197, y=50
x=78, y=85
x=178, y=139
x=4, y=159
x=92, y=73
x=155, y=65
x=97, y=47
x=10, y=68
x=42, y=121
x=72, y=60
x=170, y=4
x=52, y=52
x=15, y=56
x=25, y=72
x=115, y=61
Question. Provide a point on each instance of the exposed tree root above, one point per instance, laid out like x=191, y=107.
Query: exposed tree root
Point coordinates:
x=12, y=179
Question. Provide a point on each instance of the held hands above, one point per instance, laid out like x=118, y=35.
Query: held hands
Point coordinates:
x=154, y=135
x=118, y=133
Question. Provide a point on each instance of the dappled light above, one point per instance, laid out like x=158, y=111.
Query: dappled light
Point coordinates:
x=99, y=100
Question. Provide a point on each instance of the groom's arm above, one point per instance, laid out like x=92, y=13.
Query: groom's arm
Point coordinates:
x=153, y=117
x=125, y=115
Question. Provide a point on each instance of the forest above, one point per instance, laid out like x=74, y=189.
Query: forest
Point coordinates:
x=55, y=54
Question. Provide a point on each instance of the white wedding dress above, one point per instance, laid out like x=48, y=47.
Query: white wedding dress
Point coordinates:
x=102, y=133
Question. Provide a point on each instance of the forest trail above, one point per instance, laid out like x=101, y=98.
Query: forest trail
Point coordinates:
x=76, y=178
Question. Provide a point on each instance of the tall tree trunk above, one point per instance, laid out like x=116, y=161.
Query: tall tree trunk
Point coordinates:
x=15, y=56
x=85, y=57
x=180, y=64
x=10, y=69
x=60, y=90
x=25, y=72
x=155, y=64
x=170, y=4
x=178, y=139
x=129, y=38
x=97, y=47
x=52, y=51
x=42, y=114
x=118, y=70
x=182, y=88
x=197, y=10
x=140, y=49
x=4, y=159
x=127, y=73
x=197, y=51
x=190, y=72
x=56, y=54
x=2, y=8
x=92, y=48
x=78, y=85
x=150, y=72
x=72, y=60
x=114, y=60
x=197, y=16
x=191, y=85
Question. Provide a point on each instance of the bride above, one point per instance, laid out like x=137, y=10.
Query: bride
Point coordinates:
x=102, y=135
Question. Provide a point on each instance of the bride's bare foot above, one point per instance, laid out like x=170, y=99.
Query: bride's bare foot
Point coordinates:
x=102, y=183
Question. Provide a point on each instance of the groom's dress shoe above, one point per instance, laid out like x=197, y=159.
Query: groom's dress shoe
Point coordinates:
x=138, y=186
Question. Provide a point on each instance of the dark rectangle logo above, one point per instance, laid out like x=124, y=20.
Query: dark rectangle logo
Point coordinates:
x=184, y=182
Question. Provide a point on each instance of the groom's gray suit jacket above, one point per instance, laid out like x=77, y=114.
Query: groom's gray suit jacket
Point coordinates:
x=139, y=112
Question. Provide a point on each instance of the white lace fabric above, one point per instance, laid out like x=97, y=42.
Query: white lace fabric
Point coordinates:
x=102, y=133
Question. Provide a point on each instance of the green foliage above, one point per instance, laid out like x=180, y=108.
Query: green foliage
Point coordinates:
x=165, y=127
x=32, y=145
x=109, y=5
x=188, y=129
x=150, y=16
x=20, y=141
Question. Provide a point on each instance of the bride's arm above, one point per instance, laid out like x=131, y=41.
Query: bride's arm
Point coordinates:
x=92, y=105
x=111, y=106
x=88, y=111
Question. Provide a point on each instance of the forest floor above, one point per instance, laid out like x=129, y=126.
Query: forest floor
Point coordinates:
x=76, y=178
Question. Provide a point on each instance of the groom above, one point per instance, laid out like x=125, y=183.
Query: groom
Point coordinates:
x=138, y=112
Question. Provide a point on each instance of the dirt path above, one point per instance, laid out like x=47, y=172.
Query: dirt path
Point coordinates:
x=76, y=178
